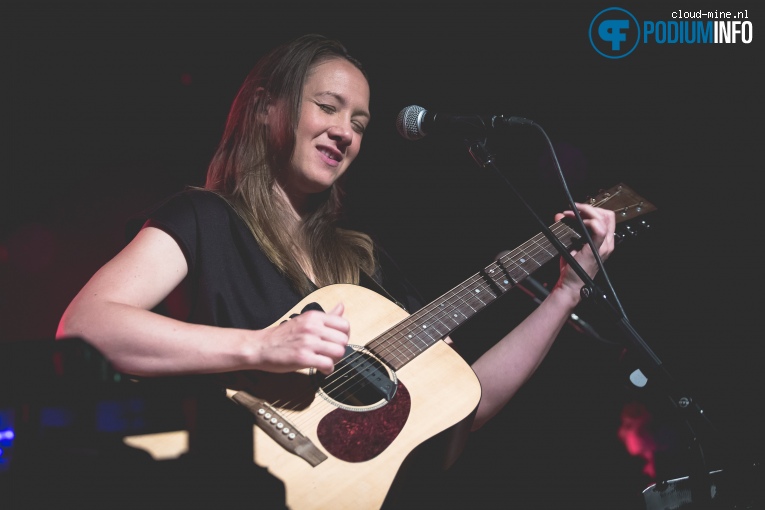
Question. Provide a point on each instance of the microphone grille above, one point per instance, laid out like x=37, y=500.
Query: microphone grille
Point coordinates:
x=408, y=122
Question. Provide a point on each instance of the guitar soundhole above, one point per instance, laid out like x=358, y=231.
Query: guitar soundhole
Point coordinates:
x=360, y=381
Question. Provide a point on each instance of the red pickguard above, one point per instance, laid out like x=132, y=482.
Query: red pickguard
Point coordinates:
x=360, y=436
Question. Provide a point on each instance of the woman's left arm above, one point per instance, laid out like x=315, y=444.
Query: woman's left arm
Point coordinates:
x=504, y=368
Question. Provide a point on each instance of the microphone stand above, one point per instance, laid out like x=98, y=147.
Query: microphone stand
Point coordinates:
x=693, y=415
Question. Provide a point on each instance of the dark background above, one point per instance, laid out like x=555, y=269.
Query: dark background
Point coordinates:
x=112, y=106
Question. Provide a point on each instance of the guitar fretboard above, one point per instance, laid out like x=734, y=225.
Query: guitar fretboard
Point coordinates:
x=412, y=336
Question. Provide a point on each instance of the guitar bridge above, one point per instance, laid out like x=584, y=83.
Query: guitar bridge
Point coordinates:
x=279, y=429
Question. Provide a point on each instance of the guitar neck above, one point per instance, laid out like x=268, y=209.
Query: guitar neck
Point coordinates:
x=412, y=336
x=405, y=341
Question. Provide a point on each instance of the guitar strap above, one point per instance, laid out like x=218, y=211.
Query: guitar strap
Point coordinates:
x=371, y=283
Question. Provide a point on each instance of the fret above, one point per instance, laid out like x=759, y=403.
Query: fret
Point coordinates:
x=545, y=245
x=435, y=321
x=501, y=279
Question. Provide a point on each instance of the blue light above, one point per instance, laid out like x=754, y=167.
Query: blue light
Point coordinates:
x=121, y=415
x=57, y=417
x=7, y=435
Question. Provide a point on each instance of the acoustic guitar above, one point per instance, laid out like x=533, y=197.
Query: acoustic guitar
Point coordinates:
x=338, y=441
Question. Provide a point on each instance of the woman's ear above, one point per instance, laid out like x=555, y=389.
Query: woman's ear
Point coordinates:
x=265, y=106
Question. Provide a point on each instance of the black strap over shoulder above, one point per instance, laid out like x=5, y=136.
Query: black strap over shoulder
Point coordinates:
x=371, y=283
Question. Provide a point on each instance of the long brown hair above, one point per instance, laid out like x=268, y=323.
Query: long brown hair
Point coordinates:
x=248, y=160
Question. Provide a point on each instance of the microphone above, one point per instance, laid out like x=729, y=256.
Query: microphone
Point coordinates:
x=415, y=122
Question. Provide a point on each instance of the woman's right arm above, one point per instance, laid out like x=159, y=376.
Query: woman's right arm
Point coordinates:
x=113, y=313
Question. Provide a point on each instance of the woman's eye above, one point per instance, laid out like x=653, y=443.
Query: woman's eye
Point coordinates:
x=359, y=127
x=327, y=108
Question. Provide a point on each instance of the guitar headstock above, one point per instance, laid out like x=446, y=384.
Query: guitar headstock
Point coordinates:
x=627, y=204
x=623, y=201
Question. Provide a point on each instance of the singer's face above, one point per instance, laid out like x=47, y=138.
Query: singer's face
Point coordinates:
x=333, y=116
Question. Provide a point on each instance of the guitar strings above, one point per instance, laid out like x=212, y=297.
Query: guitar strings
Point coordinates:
x=465, y=292
x=395, y=339
x=401, y=338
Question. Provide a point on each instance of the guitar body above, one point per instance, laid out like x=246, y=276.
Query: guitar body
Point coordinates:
x=364, y=445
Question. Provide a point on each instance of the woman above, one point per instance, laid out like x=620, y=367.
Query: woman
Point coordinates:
x=264, y=233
